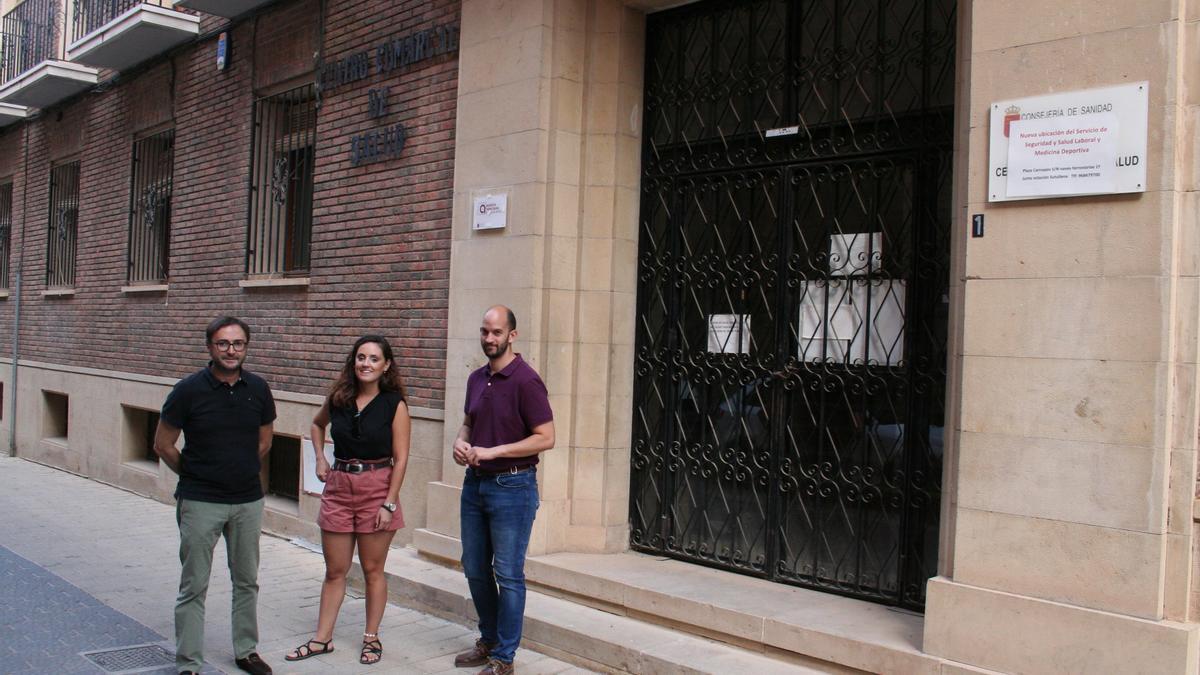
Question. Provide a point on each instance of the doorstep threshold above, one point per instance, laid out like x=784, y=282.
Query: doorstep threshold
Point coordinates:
x=751, y=613
x=588, y=637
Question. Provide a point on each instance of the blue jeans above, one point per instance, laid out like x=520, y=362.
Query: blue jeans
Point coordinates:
x=497, y=517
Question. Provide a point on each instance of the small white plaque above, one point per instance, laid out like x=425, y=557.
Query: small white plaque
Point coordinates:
x=312, y=484
x=782, y=131
x=490, y=212
x=729, y=333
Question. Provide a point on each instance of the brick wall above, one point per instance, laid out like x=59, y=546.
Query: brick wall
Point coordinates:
x=381, y=231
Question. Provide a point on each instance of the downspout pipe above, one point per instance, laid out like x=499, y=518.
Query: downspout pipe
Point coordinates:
x=16, y=331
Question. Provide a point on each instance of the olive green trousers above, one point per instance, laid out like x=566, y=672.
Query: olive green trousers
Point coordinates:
x=200, y=525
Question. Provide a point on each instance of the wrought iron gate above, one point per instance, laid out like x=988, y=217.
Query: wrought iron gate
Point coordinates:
x=792, y=293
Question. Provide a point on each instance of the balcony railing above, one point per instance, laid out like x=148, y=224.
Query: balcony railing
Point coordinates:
x=91, y=15
x=29, y=35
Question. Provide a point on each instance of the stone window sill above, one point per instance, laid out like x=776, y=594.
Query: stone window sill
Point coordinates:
x=58, y=293
x=278, y=282
x=144, y=288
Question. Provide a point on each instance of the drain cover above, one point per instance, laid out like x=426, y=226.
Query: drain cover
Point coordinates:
x=134, y=659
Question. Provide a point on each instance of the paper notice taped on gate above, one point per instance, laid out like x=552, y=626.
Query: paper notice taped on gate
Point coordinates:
x=852, y=321
x=729, y=333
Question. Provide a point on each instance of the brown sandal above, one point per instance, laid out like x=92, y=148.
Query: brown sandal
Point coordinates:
x=371, y=647
x=306, y=651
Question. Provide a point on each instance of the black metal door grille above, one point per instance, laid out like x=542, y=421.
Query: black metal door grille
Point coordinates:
x=792, y=296
x=63, y=222
x=150, y=207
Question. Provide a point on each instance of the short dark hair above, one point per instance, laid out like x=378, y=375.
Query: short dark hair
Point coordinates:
x=512, y=319
x=221, y=322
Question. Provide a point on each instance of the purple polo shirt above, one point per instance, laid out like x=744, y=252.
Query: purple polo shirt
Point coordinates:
x=504, y=408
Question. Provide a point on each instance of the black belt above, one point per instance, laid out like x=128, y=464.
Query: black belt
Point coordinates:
x=512, y=470
x=359, y=467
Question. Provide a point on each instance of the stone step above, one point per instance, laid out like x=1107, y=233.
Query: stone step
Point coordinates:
x=587, y=636
x=756, y=614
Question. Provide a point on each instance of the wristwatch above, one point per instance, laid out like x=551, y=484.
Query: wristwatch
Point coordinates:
x=390, y=507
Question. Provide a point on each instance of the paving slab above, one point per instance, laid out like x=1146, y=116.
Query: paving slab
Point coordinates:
x=89, y=566
x=51, y=626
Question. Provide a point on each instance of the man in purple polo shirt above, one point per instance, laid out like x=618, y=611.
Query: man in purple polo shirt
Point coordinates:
x=508, y=423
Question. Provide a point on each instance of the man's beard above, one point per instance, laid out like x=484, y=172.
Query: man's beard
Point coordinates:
x=218, y=365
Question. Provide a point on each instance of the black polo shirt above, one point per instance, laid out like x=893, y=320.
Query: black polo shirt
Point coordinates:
x=220, y=424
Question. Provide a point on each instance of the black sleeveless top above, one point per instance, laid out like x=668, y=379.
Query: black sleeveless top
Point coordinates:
x=365, y=434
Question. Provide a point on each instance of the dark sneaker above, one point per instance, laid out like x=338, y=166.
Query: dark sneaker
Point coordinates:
x=474, y=657
x=497, y=667
x=253, y=664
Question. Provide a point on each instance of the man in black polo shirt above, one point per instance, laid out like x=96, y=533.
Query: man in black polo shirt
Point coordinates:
x=226, y=414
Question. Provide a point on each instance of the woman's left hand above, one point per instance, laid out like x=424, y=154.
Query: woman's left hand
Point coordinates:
x=383, y=518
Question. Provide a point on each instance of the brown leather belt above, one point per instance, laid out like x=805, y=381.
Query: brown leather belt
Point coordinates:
x=359, y=467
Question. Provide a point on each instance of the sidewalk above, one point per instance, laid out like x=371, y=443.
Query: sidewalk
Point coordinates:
x=98, y=568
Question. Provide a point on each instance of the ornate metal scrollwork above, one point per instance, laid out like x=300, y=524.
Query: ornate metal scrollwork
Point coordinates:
x=151, y=201
x=63, y=222
x=280, y=178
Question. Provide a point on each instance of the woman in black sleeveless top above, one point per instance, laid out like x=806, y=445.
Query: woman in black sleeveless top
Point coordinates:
x=370, y=431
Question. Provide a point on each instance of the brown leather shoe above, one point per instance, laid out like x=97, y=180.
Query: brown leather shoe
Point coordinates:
x=476, y=656
x=497, y=667
x=253, y=664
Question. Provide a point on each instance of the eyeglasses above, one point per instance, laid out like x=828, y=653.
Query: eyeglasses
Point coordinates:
x=224, y=345
x=356, y=430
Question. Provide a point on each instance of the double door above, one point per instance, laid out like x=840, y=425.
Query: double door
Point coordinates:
x=793, y=277
x=790, y=372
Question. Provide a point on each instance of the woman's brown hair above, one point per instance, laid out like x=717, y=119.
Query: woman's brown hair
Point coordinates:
x=345, y=387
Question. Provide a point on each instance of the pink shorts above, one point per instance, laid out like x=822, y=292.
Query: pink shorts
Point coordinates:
x=352, y=500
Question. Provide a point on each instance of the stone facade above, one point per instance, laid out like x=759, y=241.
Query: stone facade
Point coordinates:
x=1076, y=449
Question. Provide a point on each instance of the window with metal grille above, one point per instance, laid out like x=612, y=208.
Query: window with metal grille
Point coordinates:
x=281, y=183
x=150, y=207
x=63, y=219
x=6, y=203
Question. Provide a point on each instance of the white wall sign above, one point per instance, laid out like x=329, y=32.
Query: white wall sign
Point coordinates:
x=1063, y=145
x=313, y=485
x=729, y=333
x=490, y=211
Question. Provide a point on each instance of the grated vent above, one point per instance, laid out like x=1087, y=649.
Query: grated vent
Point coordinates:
x=134, y=659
